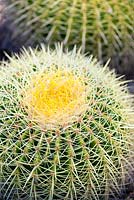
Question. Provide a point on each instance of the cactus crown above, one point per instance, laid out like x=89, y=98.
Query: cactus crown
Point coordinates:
x=64, y=127
x=55, y=96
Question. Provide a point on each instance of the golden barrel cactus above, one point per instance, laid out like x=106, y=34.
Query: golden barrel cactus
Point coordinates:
x=100, y=27
x=64, y=127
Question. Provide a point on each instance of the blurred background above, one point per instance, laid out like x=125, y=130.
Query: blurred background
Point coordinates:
x=7, y=43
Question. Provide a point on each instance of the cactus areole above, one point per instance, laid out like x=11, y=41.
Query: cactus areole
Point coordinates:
x=64, y=127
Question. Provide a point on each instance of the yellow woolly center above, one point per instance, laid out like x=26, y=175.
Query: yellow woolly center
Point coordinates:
x=55, y=97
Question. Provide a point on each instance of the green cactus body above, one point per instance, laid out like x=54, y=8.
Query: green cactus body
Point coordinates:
x=64, y=127
x=101, y=28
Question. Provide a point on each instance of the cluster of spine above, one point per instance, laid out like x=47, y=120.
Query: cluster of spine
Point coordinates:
x=82, y=159
x=101, y=28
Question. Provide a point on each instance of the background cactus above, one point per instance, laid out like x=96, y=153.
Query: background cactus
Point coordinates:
x=102, y=28
x=64, y=127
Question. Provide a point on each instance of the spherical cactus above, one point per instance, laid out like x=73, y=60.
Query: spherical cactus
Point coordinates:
x=64, y=127
x=101, y=28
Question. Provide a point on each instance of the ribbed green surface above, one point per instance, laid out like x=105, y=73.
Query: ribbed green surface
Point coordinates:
x=101, y=28
x=81, y=160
